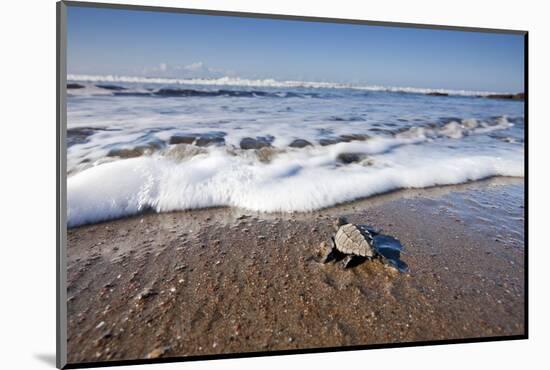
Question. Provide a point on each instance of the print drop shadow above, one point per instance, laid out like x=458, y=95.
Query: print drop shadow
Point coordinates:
x=46, y=358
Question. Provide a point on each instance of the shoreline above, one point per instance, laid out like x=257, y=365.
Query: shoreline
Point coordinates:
x=223, y=280
x=375, y=198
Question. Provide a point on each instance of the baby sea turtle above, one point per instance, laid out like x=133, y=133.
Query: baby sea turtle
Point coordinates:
x=355, y=243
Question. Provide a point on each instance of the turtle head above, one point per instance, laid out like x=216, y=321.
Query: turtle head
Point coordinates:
x=340, y=221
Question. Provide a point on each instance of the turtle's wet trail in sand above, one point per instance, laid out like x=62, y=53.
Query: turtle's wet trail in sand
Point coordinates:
x=225, y=281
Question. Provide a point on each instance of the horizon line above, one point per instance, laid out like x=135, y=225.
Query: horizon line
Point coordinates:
x=274, y=83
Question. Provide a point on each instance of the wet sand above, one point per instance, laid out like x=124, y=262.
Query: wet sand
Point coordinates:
x=226, y=280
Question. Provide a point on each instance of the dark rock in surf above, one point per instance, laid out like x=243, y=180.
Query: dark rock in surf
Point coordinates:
x=343, y=139
x=216, y=138
x=209, y=140
x=353, y=137
x=126, y=153
x=182, y=139
x=257, y=143
x=75, y=86
x=184, y=93
x=131, y=93
x=518, y=96
x=346, y=119
x=383, y=131
x=80, y=135
x=435, y=93
x=299, y=143
x=111, y=87
x=137, y=151
x=348, y=158
x=325, y=142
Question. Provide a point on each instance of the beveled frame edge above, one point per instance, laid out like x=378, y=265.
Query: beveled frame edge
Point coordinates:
x=287, y=17
x=61, y=185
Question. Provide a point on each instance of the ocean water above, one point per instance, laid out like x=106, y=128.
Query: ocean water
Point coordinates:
x=136, y=144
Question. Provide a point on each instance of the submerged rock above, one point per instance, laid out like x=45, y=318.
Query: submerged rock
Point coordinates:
x=343, y=139
x=216, y=138
x=184, y=92
x=325, y=142
x=255, y=143
x=75, y=86
x=137, y=151
x=354, y=137
x=127, y=153
x=518, y=96
x=111, y=87
x=80, y=135
x=182, y=139
x=209, y=140
x=299, y=143
x=348, y=158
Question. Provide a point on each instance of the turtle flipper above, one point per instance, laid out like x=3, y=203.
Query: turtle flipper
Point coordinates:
x=389, y=250
x=347, y=261
x=352, y=260
x=395, y=263
x=373, y=231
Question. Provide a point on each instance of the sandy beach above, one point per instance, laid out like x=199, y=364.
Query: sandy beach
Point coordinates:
x=226, y=280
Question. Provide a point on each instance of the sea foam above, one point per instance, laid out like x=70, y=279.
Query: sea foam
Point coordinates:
x=290, y=183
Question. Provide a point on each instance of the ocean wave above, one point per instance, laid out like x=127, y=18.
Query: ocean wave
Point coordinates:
x=271, y=83
x=171, y=93
x=91, y=146
x=456, y=128
x=115, y=90
x=294, y=181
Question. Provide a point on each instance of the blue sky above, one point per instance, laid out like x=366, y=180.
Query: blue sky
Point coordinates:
x=154, y=44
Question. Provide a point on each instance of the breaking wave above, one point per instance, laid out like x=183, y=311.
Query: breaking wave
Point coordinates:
x=132, y=186
x=293, y=181
x=271, y=83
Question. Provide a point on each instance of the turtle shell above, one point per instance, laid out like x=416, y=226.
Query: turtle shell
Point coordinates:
x=354, y=239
